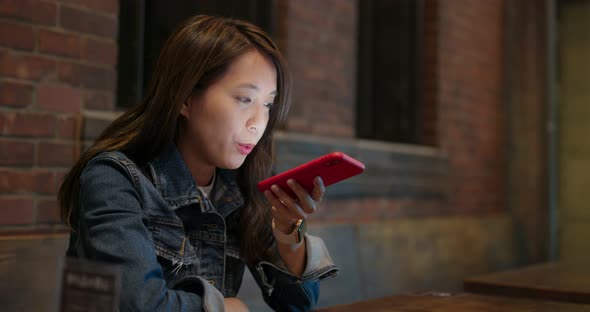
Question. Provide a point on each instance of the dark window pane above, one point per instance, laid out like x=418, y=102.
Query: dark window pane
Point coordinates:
x=388, y=63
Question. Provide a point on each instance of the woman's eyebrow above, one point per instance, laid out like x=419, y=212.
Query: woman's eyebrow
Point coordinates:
x=254, y=87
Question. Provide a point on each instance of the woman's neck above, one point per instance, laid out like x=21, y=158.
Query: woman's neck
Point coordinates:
x=202, y=172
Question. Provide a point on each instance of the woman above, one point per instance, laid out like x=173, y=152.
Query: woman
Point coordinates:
x=168, y=191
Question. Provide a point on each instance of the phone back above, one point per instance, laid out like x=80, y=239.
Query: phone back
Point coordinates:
x=332, y=168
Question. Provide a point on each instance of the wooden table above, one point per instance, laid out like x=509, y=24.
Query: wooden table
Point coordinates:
x=550, y=281
x=456, y=303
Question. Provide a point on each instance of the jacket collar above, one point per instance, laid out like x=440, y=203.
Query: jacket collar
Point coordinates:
x=227, y=194
x=174, y=181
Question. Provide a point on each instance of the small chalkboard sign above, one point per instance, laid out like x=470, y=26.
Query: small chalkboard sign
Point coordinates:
x=89, y=286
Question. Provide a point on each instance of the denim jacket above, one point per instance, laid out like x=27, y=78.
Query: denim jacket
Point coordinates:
x=178, y=250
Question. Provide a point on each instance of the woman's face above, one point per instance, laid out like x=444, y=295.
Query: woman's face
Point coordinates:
x=226, y=121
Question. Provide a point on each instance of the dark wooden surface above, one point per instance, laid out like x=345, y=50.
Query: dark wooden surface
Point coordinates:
x=455, y=303
x=550, y=281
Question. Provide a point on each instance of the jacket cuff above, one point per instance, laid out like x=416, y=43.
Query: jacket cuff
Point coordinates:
x=212, y=298
x=319, y=264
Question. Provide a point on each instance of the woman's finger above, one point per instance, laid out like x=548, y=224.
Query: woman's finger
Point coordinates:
x=305, y=201
x=281, y=217
x=319, y=189
x=290, y=203
x=281, y=208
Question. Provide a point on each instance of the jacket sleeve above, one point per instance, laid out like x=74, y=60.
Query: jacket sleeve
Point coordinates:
x=284, y=291
x=112, y=228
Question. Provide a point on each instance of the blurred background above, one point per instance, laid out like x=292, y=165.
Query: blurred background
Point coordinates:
x=471, y=117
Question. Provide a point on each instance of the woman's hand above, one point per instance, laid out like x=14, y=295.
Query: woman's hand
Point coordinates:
x=286, y=210
x=234, y=305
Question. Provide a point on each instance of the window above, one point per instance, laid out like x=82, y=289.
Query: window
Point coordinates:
x=388, y=70
x=146, y=24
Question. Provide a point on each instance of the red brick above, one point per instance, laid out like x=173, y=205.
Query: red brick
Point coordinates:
x=107, y=6
x=99, y=100
x=100, y=52
x=51, y=154
x=87, y=76
x=44, y=182
x=88, y=22
x=59, y=177
x=16, y=211
x=93, y=127
x=27, y=124
x=42, y=12
x=25, y=66
x=297, y=124
x=66, y=127
x=19, y=181
x=59, y=43
x=15, y=94
x=467, y=41
x=13, y=181
x=16, y=153
x=333, y=130
x=17, y=36
x=48, y=211
x=59, y=98
x=311, y=36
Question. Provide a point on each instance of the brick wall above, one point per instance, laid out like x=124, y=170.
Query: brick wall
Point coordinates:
x=57, y=60
x=319, y=40
x=462, y=107
x=469, y=91
x=57, y=63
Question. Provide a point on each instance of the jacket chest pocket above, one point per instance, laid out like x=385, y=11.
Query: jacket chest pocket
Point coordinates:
x=174, y=250
x=209, y=247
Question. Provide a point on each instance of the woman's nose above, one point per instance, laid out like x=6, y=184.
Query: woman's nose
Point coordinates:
x=258, y=120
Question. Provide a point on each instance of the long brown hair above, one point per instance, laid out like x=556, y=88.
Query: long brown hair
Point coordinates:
x=196, y=55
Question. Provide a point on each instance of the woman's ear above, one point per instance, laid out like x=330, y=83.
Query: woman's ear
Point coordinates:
x=185, y=110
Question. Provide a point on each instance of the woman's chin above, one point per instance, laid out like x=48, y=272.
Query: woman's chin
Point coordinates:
x=233, y=164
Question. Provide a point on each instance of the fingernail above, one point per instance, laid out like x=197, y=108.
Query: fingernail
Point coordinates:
x=290, y=181
x=274, y=187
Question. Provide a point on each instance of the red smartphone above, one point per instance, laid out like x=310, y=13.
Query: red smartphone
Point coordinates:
x=332, y=168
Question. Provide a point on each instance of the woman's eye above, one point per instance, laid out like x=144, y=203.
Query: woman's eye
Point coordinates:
x=244, y=100
x=268, y=105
